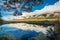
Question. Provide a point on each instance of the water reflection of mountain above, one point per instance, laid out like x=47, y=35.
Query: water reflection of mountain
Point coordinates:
x=23, y=30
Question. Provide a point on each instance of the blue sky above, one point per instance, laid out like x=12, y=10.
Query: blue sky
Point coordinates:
x=45, y=3
x=39, y=7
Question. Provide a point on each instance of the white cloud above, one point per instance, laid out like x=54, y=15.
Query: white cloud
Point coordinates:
x=50, y=8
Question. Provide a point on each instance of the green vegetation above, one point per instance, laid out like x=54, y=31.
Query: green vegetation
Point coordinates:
x=1, y=22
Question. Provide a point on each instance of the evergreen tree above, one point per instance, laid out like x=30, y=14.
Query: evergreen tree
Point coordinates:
x=0, y=19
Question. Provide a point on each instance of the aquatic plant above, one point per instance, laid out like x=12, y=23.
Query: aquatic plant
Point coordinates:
x=5, y=36
x=41, y=36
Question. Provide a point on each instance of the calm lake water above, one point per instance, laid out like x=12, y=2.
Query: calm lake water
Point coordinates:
x=22, y=30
